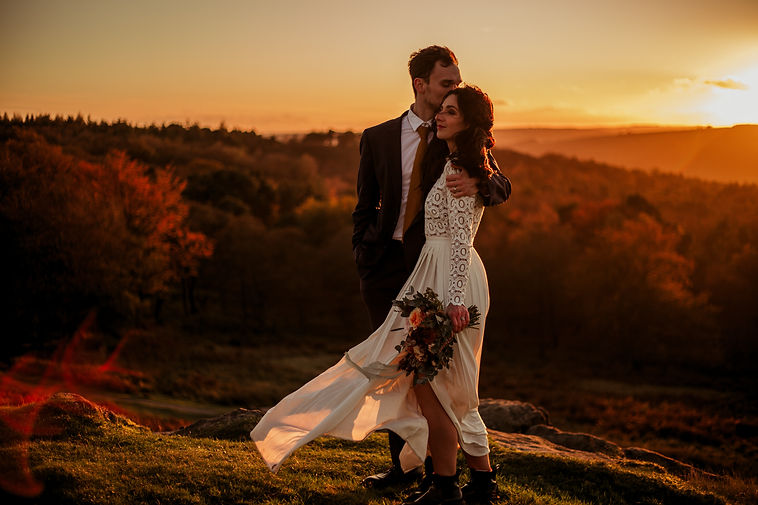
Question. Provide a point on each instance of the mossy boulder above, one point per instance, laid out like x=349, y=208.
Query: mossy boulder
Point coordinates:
x=62, y=415
x=235, y=425
x=511, y=416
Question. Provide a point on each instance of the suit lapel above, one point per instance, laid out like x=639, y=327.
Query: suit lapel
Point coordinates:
x=395, y=165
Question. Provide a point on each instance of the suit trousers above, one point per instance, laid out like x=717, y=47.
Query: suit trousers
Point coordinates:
x=383, y=283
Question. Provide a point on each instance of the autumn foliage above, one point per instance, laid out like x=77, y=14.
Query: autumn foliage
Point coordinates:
x=616, y=268
x=83, y=235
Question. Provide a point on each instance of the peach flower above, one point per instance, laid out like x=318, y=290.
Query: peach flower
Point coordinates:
x=416, y=317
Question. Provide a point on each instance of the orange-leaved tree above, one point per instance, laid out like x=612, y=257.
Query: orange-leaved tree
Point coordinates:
x=87, y=235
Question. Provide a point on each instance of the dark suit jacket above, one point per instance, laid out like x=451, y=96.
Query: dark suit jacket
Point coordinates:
x=380, y=194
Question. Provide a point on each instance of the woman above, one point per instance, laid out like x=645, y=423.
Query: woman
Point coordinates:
x=364, y=392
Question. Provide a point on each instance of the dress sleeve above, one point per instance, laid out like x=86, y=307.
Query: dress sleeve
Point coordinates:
x=461, y=224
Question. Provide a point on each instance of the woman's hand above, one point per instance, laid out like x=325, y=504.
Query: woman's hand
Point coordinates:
x=458, y=316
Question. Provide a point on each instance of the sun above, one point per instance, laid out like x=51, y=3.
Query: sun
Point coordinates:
x=736, y=103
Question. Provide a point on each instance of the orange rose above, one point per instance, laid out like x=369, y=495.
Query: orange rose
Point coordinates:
x=416, y=317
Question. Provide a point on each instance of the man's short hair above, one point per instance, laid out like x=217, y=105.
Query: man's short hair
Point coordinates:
x=422, y=62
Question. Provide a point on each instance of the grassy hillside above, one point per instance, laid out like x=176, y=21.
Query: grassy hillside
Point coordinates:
x=161, y=378
x=82, y=454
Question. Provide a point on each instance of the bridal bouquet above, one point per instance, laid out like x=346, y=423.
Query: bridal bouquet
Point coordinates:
x=428, y=346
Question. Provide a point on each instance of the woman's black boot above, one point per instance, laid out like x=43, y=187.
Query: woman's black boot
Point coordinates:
x=482, y=488
x=443, y=491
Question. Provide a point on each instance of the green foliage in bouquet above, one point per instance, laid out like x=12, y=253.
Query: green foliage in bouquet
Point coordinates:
x=428, y=346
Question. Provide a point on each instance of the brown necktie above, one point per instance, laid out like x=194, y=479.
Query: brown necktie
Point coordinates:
x=413, y=205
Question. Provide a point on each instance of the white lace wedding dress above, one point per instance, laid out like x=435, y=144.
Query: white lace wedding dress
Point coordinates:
x=364, y=391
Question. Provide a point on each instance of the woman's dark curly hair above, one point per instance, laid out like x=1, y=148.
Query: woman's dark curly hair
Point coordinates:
x=471, y=143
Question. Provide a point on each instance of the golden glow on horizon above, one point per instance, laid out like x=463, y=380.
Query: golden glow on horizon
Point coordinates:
x=734, y=99
x=298, y=66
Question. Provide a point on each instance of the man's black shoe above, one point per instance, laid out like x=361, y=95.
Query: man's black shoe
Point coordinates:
x=392, y=478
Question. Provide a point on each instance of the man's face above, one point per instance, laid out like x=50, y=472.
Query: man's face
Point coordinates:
x=441, y=80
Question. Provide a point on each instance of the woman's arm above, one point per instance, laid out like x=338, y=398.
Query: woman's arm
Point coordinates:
x=461, y=226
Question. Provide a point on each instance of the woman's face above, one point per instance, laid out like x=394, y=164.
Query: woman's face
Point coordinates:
x=449, y=119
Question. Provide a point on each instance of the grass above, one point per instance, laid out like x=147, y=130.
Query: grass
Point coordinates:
x=163, y=378
x=126, y=464
x=694, y=423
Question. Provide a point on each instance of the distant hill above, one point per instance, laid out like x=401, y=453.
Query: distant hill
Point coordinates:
x=721, y=154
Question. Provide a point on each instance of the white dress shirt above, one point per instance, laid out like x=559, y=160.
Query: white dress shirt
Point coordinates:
x=409, y=140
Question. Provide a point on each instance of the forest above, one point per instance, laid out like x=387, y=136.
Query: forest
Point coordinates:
x=625, y=270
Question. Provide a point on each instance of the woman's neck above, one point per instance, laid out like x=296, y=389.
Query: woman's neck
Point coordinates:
x=451, y=146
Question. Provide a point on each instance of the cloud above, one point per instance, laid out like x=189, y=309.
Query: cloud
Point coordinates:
x=683, y=82
x=727, y=83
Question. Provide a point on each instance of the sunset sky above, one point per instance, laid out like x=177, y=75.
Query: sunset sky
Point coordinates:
x=296, y=66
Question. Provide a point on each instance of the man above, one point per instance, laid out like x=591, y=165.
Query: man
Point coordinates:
x=388, y=231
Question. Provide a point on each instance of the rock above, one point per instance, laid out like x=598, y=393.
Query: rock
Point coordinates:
x=538, y=445
x=579, y=441
x=552, y=441
x=631, y=457
x=62, y=415
x=670, y=464
x=235, y=425
x=511, y=416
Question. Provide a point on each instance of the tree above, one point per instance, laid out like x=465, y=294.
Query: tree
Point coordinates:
x=86, y=236
x=633, y=292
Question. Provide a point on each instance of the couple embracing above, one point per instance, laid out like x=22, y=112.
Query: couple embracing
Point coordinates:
x=423, y=181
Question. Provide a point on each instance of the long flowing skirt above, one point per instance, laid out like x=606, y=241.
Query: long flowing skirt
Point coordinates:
x=364, y=391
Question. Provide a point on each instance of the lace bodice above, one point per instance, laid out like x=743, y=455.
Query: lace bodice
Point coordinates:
x=457, y=220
